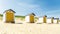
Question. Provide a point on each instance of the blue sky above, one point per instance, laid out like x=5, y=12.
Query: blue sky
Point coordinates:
x=51, y=8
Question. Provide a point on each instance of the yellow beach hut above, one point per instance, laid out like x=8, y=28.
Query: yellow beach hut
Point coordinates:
x=44, y=19
x=56, y=20
x=30, y=18
x=9, y=16
x=50, y=20
x=59, y=21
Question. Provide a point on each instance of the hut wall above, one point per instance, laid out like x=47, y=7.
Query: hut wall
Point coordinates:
x=40, y=20
x=49, y=21
x=4, y=17
x=55, y=21
x=27, y=19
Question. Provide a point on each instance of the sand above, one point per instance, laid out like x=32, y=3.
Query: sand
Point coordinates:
x=20, y=27
x=29, y=28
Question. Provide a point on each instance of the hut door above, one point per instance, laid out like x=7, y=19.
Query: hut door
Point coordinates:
x=32, y=19
x=9, y=16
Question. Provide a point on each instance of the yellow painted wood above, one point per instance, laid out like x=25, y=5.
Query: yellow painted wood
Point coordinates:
x=52, y=20
x=57, y=20
x=31, y=19
x=9, y=16
x=44, y=19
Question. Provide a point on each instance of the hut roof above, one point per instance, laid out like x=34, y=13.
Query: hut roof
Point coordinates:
x=45, y=15
x=49, y=17
x=9, y=10
x=56, y=18
x=42, y=16
x=31, y=14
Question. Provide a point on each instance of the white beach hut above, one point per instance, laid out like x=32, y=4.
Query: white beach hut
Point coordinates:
x=50, y=20
x=42, y=19
x=30, y=18
x=55, y=21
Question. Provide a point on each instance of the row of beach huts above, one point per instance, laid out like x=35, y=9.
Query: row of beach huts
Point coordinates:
x=9, y=17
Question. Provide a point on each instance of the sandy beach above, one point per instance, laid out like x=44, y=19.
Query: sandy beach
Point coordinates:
x=29, y=28
x=21, y=27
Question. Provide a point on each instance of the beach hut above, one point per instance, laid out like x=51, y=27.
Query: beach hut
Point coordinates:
x=59, y=21
x=50, y=20
x=8, y=16
x=42, y=19
x=56, y=20
x=30, y=18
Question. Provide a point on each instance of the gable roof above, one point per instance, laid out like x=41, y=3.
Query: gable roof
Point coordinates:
x=32, y=14
x=56, y=18
x=45, y=15
x=9, y=10
x=50, y=17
